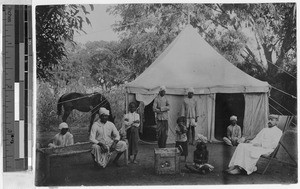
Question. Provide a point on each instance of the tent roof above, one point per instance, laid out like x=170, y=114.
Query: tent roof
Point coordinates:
x=189, y=61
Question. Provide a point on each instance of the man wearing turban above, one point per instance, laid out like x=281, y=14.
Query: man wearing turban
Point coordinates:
x=190, y=111
x=234, y=133
x=246, y=155
x=161, y=107
x=63, y=138
x=106, y=139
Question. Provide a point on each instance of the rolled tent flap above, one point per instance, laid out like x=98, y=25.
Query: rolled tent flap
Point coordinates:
x=145, y=98
x=256, y=113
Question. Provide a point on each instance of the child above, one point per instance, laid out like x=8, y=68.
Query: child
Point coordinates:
x=63, y=138
x=200, y=164
x=181, y=137
x=132, y=123
x=234, y=133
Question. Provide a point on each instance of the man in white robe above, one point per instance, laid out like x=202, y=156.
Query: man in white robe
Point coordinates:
x=106, y=139
x=246, y=155
x=63, y=138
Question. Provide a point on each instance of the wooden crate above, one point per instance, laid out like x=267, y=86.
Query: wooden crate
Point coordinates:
x=166, y=161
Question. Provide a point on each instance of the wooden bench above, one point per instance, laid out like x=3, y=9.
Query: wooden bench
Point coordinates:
x=44, y=156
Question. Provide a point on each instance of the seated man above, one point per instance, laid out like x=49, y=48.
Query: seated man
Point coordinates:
x=106, y=139
x=63, y=138
x=246, y=155
x=234, y=133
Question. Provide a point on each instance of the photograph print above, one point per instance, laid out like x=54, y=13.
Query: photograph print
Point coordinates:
x=166, y=94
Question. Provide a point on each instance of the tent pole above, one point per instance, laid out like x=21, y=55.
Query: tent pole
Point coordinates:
x=126, y=102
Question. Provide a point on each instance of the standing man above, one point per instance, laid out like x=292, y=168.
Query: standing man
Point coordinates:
x=246, y=155
x=161, y=107
x=234, y=133
x=106, y=139
x=190, y=110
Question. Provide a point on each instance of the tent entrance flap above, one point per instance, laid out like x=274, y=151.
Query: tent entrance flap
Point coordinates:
x=226, y=106
x=149, y=128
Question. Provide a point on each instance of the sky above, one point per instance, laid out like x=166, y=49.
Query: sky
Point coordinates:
x=101, y=26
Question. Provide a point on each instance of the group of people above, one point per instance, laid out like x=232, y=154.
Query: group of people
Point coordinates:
x=106, y=138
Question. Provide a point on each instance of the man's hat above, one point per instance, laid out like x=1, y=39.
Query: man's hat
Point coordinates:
x=233, y=118
x=162, y=88
x=191, y=90
x=273, y=116
x=103, y=111
x=63, y=125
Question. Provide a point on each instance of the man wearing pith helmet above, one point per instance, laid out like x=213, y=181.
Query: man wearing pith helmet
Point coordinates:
x=190, y=110
x=106, y=139
x=161, y=107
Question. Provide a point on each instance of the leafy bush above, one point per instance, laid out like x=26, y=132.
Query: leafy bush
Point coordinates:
x=116, y=98
x=47, y=118
x=46, y=106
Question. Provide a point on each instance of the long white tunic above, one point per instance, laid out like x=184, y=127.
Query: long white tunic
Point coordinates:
x=131, y=117
x=60, y=140
x=189, y=108
x=246, y=155
x=106, y=134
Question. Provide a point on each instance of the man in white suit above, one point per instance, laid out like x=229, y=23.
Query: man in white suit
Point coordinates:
x=246, y=155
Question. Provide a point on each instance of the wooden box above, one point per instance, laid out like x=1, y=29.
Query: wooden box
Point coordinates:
x=166, y=161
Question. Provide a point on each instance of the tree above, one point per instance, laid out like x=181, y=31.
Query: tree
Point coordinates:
x=106, y=65
x=258, y=38
x=72, y=69
x=55, y=26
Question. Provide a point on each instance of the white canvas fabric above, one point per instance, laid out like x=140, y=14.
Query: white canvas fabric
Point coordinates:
x=256, y=114
x=189, y=61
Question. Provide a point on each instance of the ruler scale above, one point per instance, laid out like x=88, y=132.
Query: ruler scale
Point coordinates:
x=17, y=66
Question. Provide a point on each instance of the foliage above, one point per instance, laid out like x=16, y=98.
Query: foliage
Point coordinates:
x=106, y=65
x=46, y=106
x=64, y=75
x=47, y=119
x=258, y=38
x=56, y=25
x=116, y=98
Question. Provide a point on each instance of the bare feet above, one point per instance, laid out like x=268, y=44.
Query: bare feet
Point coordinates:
x=235, y=171
x=135, y=162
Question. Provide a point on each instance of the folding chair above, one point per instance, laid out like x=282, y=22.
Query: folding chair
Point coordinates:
x=286, y=142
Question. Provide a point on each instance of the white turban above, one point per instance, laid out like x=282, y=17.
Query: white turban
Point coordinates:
x=162, y=88
x=103, y=111
x=63, y=125
x=233, y=118
x=191, y=90
x=273, y=116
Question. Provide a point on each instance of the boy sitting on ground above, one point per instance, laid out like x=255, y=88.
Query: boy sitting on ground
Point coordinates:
x=200, y=164
x=234, y=133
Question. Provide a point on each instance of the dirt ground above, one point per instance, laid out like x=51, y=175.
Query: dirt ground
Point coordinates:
x=79, y=170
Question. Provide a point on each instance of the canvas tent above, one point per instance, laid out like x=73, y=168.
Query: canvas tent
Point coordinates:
x=189, y=61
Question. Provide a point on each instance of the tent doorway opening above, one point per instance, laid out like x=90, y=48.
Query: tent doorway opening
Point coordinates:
x=226, y=106
x=149, y=129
